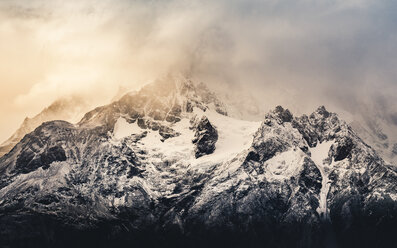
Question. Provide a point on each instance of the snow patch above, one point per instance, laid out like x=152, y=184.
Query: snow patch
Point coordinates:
x=175, y=148
x=234, y=136
x=318, y=155
x=124, y=129
x=284, y=165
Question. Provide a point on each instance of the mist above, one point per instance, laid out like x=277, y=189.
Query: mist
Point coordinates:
x=299, y=54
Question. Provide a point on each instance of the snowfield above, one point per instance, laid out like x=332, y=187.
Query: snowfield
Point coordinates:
x=319, y=154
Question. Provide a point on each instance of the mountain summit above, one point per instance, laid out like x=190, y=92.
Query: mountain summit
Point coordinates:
x=166, y=166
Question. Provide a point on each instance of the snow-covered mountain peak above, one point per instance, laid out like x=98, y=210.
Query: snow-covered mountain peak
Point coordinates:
x=157, y=106
x=278, y=115
x=185, y=92
x=321, y=111
x=167, y=159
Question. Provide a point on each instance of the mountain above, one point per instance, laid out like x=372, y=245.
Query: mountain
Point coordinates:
x=167, y=167
x=68, y=108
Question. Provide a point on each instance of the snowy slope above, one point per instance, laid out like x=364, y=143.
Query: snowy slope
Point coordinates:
x=319, y=154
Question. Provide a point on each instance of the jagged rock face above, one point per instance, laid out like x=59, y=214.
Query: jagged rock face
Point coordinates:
x=165, y=100
x=205, y=138
x=146, y=183
x=267, y=142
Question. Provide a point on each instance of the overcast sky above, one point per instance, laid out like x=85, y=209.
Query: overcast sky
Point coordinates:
x=299, y=53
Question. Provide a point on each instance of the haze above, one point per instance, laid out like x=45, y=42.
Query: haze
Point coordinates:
x=297, y=53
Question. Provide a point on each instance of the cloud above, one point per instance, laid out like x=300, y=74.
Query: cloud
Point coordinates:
x=298, y=53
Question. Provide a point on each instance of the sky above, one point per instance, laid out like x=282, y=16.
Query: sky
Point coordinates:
x=297, y=53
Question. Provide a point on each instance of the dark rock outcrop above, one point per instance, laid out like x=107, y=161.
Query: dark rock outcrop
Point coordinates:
x=342, y=148
x=205, y=137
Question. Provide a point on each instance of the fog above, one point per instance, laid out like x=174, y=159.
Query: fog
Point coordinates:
x=297, y=53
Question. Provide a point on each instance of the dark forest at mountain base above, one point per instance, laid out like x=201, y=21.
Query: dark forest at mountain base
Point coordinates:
x=45, y=231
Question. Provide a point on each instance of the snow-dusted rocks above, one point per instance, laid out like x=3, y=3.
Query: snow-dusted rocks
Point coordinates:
x=131, y=171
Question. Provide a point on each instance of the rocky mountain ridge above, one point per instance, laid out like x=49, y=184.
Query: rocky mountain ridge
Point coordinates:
x=166, y=164
x=68, y=109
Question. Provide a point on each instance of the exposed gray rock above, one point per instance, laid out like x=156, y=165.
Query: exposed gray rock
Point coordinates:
x=205, y=137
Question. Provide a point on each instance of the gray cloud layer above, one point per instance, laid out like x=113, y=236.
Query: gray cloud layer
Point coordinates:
x=299, y=53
